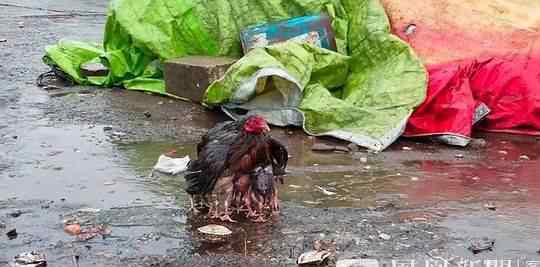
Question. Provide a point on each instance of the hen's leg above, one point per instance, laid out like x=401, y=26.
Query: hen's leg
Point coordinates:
x=275, y=201
x=193, y=208
x=213, y=213
x=226, y=217
x=250, y=200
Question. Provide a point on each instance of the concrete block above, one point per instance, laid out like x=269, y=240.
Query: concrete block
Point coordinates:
x=189, y=77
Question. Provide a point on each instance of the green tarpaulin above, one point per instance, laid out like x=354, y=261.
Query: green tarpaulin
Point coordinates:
x=364, y=93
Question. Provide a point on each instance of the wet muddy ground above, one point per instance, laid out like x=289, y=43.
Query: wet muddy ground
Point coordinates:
x=87, y=153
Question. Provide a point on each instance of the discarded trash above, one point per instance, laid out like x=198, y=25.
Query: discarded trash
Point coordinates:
x=384, y=236
x=324, y=191
x=524, y=157
x=315, y=30
x=73, y=229
x=172, y=166
x=12, y=234
x=94, y=231
x=481, y=245
x=31, y=259
x=490, y=206
x=214, y=233
x=313, y=257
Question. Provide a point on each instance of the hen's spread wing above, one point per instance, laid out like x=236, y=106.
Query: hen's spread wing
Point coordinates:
x=279, y=154
x=203, y=172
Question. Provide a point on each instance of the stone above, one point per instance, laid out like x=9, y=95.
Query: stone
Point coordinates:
x=94, y=69
x=189, y=77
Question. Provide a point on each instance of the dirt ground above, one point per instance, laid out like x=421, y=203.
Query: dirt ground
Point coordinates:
x=87, y=153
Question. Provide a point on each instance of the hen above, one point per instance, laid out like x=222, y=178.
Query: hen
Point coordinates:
x=238, y=167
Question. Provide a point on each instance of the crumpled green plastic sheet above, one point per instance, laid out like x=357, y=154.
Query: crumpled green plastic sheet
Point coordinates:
x=363, y=93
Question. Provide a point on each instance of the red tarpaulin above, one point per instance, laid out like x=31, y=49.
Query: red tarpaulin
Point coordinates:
x=475, y=52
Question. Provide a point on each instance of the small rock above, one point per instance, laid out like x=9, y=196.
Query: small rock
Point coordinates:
x=503, y=152
x=12, y=234
x=147, y=114
x=15, y=214
x=160, y=103
x=406, y=148
x=94, y=70
x=524, y=157
x=460, y=156
x=353, y=147
x=322, y=147
x=58, y=168
x=384, y=236
x=490, y=206
x=15, y=137
x=107, y=128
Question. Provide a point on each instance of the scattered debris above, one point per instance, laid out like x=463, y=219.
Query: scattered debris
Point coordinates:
x=538, y=251
x=172, y=166
x=503, y=152
x=415, y=179
x=363, y=160
x=58, y=168
x=481, y=245
x=324, y=191
x=460, y=156
x=384, y=236
x=524, y=157
x=406, y=148
x=147, y=114
x=490, y=206
x=12, y=234
x=214, y=233
x=55, y=153
x=312, y=257
x=3, y=40
x=160, y=103
x=31, y=259
x=73, y=229
x=107, y=128
x=109, y=183
x=94, y=231
x=15, y=214
x=119, y=134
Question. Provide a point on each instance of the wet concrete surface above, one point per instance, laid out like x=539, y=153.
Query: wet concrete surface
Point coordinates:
x=62, y=153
